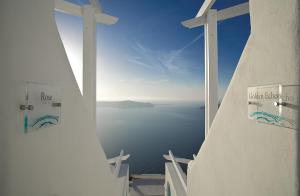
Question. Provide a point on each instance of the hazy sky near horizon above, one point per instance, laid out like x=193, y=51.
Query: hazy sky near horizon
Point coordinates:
x=149, y=55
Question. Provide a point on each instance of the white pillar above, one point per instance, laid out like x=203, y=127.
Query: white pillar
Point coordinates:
x=211, y=69
x=89, y=61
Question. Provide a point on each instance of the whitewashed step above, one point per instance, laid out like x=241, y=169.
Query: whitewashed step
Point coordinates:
x=148, y=187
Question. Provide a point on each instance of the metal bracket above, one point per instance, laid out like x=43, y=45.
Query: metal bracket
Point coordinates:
x=30, y=107
x=56, y=104
x=26, y=107
x=277, y=104
x=254, y=103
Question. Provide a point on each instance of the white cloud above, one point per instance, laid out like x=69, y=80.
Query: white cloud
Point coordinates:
x=165, y=62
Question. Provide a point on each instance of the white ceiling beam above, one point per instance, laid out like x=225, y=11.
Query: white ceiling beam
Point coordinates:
x=233, y=11
x=205, y=7
x=67, y=7
x=224, y=14
x=106, y=19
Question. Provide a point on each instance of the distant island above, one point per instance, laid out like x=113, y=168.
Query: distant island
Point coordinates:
x=125, y=104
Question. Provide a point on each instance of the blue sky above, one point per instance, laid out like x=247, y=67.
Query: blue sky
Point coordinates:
x=149, y=55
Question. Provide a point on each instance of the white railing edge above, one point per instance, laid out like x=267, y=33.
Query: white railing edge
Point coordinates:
x=181, y=175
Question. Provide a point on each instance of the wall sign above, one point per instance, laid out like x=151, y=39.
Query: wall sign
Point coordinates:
x=42, y=108
x=274, y=104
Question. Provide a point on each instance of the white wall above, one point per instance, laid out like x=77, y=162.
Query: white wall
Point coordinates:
x=64, y=160
x=240, y=156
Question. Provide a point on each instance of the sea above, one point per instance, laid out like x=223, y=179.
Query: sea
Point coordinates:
x=148, y=133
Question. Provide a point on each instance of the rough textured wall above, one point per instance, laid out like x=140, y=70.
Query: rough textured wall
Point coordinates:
x=240, y=156
x=63, y=160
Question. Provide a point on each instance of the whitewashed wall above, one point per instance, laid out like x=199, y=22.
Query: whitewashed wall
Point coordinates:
x=240, y=156
x=65, y=160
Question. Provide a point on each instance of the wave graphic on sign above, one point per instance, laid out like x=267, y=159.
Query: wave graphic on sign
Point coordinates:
x=45, y=121
x=271, y=118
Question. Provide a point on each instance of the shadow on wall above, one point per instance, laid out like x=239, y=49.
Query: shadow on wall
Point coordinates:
x=298, y=138
x=298, y=131
x=298, y=142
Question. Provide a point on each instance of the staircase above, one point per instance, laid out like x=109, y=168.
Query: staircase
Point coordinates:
x=146, y=184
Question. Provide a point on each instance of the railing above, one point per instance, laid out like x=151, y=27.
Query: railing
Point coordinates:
x=121, y=172
x=176, y=179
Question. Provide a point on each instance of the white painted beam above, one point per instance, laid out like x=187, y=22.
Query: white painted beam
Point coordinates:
x=194, y=22
x=223, y=14
x=180, y=173
x=205, y=7
x=96, y=4
x=178, y=160
x=233, y=11
x=76, y=10
x=89, y=61
x=211, y=69
x=123, y=158
x=105, y=19
x=67, y=7
x=118, y=164
x=100, y=16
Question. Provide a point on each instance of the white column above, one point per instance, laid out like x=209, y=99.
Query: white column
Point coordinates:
x=89, y=60
x=211, y=69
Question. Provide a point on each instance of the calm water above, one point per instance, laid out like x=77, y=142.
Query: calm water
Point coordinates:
x=148, y=133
